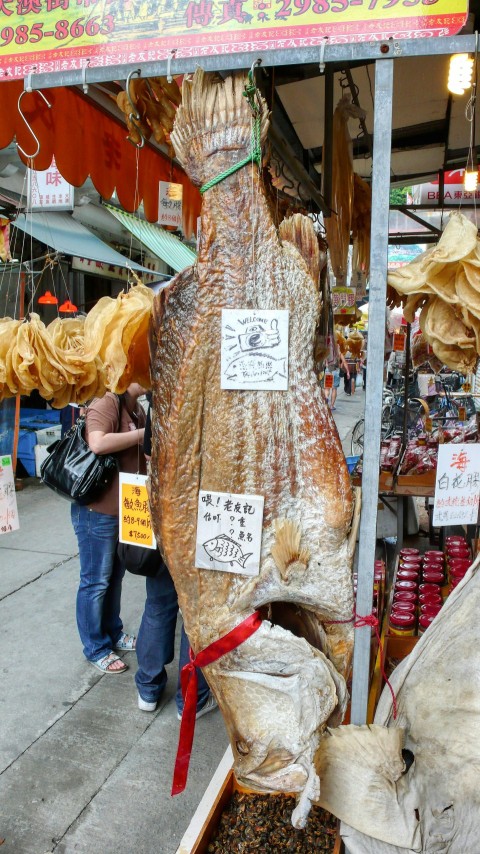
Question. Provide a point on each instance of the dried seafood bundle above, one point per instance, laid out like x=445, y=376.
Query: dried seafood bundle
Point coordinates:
x=422, y=354
x=445, y=283
x=341, y=342
x=155, y=101
x=339, y=224
x=355, y=343
x=361, y=225
x=75, y=359
x=279, y=688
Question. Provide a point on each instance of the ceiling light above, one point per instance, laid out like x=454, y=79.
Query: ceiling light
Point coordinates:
x=68, y=307
x=470, y=180
x=48, y=299
x=460, y=73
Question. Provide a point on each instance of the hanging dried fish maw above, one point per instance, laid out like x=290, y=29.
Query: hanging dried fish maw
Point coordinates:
x=8, y=333
x=117, y=332
x=299, y=231
x=338, y=225
x=85, y=376
x=278, y=689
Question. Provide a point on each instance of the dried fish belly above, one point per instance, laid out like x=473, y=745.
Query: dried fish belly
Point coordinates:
x=281, y=687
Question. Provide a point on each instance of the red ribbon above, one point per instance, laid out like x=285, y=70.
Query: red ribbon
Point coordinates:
x=370, y=620
x=189, y=683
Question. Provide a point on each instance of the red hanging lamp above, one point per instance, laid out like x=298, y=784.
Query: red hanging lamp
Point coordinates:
x=68, y=307
x=48, y=299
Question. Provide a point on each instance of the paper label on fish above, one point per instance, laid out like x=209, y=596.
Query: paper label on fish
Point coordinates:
x=229, y=532
x=254, y=349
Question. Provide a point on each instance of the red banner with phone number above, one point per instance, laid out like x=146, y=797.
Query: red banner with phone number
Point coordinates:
x=43, y=36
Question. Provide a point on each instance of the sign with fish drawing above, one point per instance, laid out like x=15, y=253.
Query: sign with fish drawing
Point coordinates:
x=254, y=349
x=229, y=532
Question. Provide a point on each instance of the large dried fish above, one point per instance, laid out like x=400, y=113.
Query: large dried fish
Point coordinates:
x=279, y=689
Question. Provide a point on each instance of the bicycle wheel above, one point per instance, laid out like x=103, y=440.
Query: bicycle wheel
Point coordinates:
x=357, y=438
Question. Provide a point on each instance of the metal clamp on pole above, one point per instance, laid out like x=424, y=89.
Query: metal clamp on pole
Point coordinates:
x=323, y=44
x=169, y=65
x=84, y=76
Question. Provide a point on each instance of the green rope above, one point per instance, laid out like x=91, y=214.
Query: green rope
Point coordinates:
x=255, y=155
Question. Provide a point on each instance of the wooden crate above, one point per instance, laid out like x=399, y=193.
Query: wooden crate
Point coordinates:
x=422, y=485
x=216, y=798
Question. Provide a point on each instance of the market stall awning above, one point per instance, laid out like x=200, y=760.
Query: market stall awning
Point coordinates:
x=87, y=141
x=163, y=244
x=63, y=233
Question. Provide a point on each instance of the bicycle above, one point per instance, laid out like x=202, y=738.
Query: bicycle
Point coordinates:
x=392, y=418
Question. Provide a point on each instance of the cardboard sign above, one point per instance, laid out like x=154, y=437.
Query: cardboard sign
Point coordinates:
x=328, y=382
x=134, y=511
x=229, y=532
x=254, y=349
x=8, y=499
x=457, y=485
x=399, y=340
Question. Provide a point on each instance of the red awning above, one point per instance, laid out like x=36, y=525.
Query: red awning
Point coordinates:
x=87, y=141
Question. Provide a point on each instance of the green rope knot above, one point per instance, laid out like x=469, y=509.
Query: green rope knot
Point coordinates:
x=255, y=155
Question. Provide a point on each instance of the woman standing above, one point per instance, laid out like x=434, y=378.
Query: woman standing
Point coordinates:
x=114, y=425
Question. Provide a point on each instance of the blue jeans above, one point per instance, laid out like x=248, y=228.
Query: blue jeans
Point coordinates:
x=156, y=642
x=100, y=588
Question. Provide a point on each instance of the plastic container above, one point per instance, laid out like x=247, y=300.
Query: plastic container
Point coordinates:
x=409, y=552
x=460, y=563
x=410, y=563
x=460, y=552
x=455, y=538
x=433, y=554
x=424, y=622
x=408, y=607
x=402, y=623
x=404, y=596
x=351, y=463
x=433, y=576
x=430, y=588
x=406, y=585
x=429, y=610
x=430, y=599
x=408, y=575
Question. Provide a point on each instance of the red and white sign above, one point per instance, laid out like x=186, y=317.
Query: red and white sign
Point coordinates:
x=48, y=190
x=113, y=271
x=454, y=192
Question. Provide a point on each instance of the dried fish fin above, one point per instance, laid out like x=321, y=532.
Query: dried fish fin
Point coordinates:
x=214, y=118
x=286, y=551
x=172, y=89
x=298, y=230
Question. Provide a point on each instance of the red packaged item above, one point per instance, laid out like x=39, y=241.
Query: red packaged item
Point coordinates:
x=407, y=552
x=433, y=576
x=430, y=599
x=404, y=596
x=402, y=623
x=430, y=588
x=408, y=575
x=424, y=622
x=406, y=585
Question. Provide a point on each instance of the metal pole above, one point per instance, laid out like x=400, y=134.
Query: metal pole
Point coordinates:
x=327, y=150
x=382, y=134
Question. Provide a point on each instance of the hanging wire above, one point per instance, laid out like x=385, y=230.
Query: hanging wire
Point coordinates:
x=470, y=115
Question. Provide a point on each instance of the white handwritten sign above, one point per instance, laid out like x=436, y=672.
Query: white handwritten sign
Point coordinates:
x=8, y=499
x=254, y=349
x=229, y=532
x=170, y=204
x=457, y=485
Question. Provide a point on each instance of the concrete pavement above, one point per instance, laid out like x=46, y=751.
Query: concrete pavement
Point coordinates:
x=81, y=768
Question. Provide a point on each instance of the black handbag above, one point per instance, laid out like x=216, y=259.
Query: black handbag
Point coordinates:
x=73, y=471
x=140, y=561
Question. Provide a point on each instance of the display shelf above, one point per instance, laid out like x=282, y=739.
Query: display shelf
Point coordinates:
x=223, y=784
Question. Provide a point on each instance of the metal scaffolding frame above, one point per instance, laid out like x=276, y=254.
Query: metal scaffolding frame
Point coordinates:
x=383, y=54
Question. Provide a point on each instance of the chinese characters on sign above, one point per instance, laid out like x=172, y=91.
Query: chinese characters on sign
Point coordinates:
x=170, y=204
x=8, y=499
x=254, y=349
x=399, y=340
x=457, y=485
x=343, y=300
x=48, y=191
x=134, y=511
x=229, y=532
x=48, y=36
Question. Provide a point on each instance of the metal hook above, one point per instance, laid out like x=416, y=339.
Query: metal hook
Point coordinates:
x=169, y=64
x=323, y=45
x=37, y=141
x=255, y=65
x=134, y=116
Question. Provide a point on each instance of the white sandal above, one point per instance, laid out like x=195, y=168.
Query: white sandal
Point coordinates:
x=104, y=663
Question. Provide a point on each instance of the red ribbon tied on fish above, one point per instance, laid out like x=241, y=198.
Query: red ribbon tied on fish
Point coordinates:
x=189, y=683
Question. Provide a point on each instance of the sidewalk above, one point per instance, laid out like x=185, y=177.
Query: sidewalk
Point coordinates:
x=81, y=768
